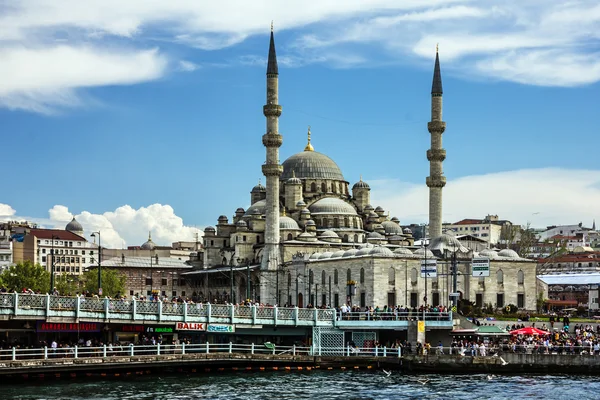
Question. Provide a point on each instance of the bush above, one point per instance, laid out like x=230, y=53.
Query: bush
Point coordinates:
x=510, y=309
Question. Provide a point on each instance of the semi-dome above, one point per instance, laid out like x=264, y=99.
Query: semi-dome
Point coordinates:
x=257, y=208
x=306, y=237
x=350, y=252
x=381, y=251
x=311, y=165
x=402, y=251
x=325, y=255
x=447, y=242
x=310, y=222
x=374, y=235
x=74, y=226
x=288, y=223
x=488, y=253
x=508, y=253
x=331, y=205
x=363, y=252
x=329, y=234
x=300, y=204
x=259, y=188
x=148, y=244
x=391, y=228
x=424, y=253
x=315, y=256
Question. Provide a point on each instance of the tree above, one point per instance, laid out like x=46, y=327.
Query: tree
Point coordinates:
x=113, y=281
x=67, y=285
x=26, y=275
x=527, y=239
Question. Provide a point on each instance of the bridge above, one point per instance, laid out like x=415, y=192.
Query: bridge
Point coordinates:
x=85, y=309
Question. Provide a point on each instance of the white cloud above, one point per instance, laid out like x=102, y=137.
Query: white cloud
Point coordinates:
x=6, y=210
x=122, y=227
x=560, y=196
x=187, y=66
x=39, y=79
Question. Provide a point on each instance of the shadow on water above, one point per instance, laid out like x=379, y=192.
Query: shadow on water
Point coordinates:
x=322, y=385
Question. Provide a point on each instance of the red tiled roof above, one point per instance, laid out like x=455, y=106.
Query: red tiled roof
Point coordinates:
x=468, y=222
x=61, y=233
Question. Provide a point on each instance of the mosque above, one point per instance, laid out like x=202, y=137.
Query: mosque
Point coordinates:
x=309, y=237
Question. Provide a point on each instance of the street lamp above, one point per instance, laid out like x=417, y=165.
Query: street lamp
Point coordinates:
x=52, y=264
x=99, y=261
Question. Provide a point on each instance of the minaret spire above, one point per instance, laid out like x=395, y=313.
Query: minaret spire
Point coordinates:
x=436, y=154
x=272, y=171
x=309, y=147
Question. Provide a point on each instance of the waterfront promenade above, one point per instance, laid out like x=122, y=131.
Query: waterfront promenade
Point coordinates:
x=85, y=309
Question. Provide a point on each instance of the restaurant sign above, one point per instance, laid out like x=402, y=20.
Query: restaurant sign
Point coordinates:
x=59, y=327
x=220, y=328
x=190, y=326
x=147, y=329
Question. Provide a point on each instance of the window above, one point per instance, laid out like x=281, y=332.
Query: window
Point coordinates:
x=391, y=276
x=346, y=239
x=500, y=278
x=313, y=187
x=183, y=293
x=521, y=300
x=336, y=300
x=323, y=277
x=413, y=276
x=83, y=260
x=174, y=293
x=391, y=299
x=323, y=187
x=335, y=277
x=413, y=299
x=131, y=292
x=363, y=299
x=323, y=299
x=43, y=251
x=244, y=238
x=362, y=275
x=43, y=258
x=435, y=298
x=83, y=252
x=289, y=236
x=349, y=275
x=479, y=300
x=500, y=300
x=148, y=281
x=163, y=282
x=520, y=277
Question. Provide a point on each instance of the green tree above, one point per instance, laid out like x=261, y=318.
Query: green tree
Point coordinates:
x=26, y=275
x=113, y=281
x=67, y=285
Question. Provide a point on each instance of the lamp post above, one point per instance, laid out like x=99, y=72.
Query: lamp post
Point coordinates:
x=52, y=264
x=231, y=299
x=99, y=261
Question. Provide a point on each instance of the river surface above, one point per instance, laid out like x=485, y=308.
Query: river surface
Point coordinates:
x=321, y=385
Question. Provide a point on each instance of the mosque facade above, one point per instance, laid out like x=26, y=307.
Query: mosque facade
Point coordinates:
x=312, y=237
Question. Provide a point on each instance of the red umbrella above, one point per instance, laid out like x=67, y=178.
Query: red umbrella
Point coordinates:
x=529, y=331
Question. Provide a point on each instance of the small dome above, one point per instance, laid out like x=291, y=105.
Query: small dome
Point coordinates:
x=288, y=223
x=325, y=255
x=381, y=251
x=396, y=220
x=338, y=254
x=310, y=222
x=241, y=224
x=149, y=244
x=74, y=226
x=315, y=256
x=508, y=253
x=363, y=252
x=447, y=242
x=491, y=254
x=328, y=234
x=407, y=231
x=424, y=253
x=402, y=251
x=366, y=245
x=257, y=208
x=240, y=210
x=293, y=181
x=209, y=229
x=301, y=204
x=361, y=185
x=305, y=211
x=350, y=253
x=259, y=188
x=306, y=237
x=391, y=228
x=223, y=219
x=379, y=209
x=368, y=207
x=373, y=214
x=374, y=235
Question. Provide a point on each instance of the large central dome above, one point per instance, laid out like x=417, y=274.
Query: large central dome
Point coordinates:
x=311, y=165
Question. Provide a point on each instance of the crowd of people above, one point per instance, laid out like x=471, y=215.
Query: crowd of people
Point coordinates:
x=400, y=312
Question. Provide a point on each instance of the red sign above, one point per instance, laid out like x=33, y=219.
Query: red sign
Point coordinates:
x=56, y=327
x=190, y=326
x=132, y=328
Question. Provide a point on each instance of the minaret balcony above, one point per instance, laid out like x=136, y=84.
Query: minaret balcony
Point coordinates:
x=272, y=110
x=436, y=154
x=435, y=181
x=272, y=140
x=272, y=169
x=436, y=127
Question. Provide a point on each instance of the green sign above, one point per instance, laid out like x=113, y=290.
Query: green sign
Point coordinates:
x=480, y=267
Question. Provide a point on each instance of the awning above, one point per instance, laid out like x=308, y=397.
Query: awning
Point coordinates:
x=491, y=330
x=219, y=269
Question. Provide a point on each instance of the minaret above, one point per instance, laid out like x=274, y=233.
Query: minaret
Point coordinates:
x=436, y=155
x=272, y=170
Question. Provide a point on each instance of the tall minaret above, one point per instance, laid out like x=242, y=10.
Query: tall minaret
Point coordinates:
x=436, y=155
x=272, y=140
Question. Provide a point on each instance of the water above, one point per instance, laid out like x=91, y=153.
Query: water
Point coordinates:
x=322, y=385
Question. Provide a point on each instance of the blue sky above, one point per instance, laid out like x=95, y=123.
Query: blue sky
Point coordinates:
x=138, y=117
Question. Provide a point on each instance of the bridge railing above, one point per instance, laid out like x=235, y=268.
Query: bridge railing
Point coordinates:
x=117, y=350
x=395, y=316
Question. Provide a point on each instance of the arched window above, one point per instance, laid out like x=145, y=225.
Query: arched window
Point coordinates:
x=520, y=277
x=345, y=238
x=346, y=222
x=310, y=277
x=335, y=277
x=362, y=275
x=413, y=276
x=500, y=277
x=313, y=187
x=355, y=238
x=324, y=187
x=334, y=187
x=289, y=236
x=392, y=276
x=336, y=223
x=349, y=275
x=323, y=278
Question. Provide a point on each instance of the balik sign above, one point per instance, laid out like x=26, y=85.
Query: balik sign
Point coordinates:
x=189, y=326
